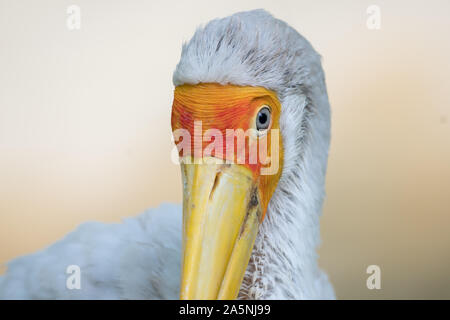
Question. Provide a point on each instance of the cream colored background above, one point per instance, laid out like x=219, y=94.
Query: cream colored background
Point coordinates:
x=84, y=127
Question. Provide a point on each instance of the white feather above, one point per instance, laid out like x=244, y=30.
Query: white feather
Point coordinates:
x=136, y=259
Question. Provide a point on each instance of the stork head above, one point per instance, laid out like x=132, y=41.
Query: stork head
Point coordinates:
x=248, y=92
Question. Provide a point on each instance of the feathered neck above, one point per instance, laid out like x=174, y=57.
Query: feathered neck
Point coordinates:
x=284, y=260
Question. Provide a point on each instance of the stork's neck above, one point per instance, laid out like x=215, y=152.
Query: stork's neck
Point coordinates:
x=284, y=259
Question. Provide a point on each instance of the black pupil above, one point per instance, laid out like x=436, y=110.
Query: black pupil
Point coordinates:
x=262, y=118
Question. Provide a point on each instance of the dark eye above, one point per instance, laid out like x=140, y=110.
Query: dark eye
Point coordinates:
x=263, y=118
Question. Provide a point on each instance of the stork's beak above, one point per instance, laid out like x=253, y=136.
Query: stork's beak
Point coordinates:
x=221, y=217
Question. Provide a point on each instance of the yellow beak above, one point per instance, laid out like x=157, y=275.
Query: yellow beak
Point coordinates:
x=221, y=217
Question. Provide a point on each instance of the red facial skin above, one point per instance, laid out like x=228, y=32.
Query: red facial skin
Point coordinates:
x=222, y=107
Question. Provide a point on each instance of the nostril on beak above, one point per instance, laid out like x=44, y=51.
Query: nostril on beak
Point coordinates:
x=216, y=182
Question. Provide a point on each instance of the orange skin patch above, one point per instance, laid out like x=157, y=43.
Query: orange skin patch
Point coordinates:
x=222, y=107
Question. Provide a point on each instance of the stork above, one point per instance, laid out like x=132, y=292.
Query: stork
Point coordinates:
x=240, y=233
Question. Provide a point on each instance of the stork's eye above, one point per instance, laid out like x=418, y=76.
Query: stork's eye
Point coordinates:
x=263, y=118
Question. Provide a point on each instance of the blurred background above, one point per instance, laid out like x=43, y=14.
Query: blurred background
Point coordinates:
x=85, y=126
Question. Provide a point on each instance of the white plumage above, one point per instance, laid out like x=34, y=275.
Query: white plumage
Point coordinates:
x=136, y=259
x=140, y=258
